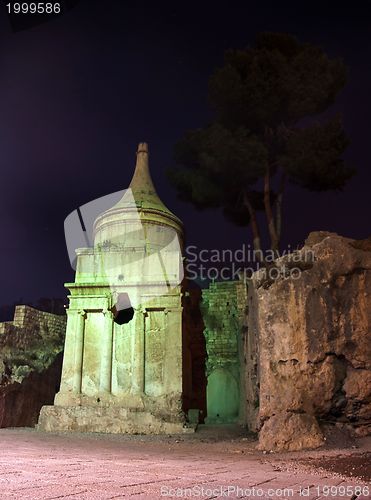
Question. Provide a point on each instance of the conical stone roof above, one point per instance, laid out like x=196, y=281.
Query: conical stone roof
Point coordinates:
x=140, y=203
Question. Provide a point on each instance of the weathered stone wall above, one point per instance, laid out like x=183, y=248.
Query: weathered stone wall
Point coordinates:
x=33, y=319
x=30, y=364
x=308, y=345
x=223, y=310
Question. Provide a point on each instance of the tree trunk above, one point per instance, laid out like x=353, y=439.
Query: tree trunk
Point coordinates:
x=269, y=213
x=254, y=227
x=279, y=206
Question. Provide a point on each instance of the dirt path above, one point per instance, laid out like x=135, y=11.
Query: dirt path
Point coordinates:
x=37, y=465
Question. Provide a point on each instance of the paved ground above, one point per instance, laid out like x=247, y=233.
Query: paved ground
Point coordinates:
x=36, y=465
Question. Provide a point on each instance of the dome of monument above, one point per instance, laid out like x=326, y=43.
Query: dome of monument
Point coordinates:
x=140, y=216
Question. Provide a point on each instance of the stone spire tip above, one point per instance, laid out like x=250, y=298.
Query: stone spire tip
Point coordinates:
x=142, y=147
x=141, y=181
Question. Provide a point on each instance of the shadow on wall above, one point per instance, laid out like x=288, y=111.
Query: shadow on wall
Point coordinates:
x=194, y=354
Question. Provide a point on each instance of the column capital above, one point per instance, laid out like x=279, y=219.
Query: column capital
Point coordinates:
x=107, y=313
x=140, y=309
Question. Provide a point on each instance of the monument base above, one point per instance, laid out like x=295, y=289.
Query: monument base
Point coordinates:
x=107, y=420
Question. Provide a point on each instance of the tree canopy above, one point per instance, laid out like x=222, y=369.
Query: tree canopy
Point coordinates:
x=261, y=135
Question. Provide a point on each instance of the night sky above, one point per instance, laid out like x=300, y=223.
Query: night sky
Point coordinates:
x=80, y=92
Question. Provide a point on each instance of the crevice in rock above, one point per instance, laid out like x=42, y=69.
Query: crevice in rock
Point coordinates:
x=293, y=361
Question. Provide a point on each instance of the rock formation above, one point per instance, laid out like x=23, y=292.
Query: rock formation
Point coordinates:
x=30, y=364
x=308, y=349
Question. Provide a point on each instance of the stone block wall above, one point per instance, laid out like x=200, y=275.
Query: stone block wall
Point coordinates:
x=30, y=364
x=223, y=308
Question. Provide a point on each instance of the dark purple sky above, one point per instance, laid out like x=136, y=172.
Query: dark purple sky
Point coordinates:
x=78, y=93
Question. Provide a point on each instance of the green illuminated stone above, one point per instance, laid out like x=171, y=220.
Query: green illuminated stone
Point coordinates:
x=125, y=377
x=223, y=312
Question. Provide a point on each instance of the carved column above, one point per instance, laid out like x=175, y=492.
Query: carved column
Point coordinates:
x=138, y=354
x=78, y=351
x=173, y=356
x=105, y=384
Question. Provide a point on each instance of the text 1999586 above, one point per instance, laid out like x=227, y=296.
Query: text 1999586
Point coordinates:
x=34, y=8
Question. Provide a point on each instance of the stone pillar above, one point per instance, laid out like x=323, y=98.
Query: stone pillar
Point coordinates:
x=138, y=353
x=68, y=356
x=173, y=352
x=79, y=351
x=72, y=358
x=105, y=381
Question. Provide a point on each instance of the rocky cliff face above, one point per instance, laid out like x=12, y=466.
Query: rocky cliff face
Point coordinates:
x=30, y=364
x=308, y=344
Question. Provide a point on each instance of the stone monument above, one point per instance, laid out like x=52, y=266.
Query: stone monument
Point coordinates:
x=123, y=365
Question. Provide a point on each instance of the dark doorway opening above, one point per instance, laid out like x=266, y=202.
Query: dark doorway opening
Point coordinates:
x=122, y=310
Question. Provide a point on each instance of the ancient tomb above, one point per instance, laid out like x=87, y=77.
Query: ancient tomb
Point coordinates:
x=123, y=366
